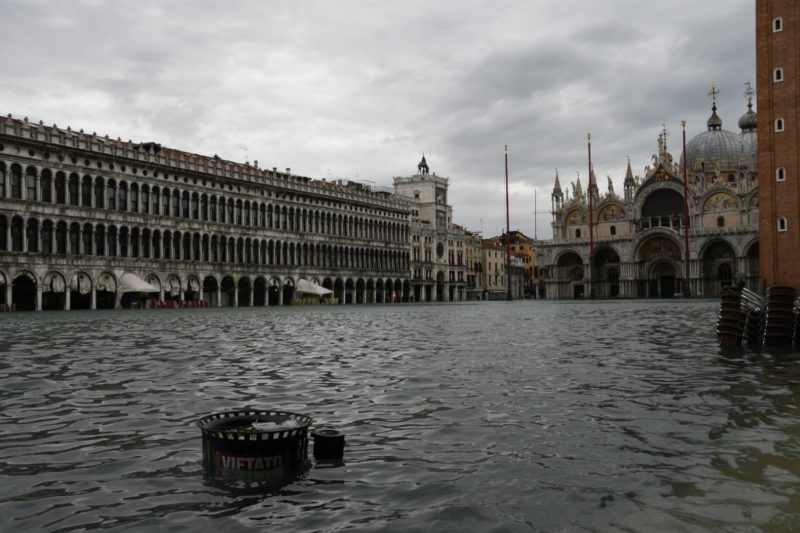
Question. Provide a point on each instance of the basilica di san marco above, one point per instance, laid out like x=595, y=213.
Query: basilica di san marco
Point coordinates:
x=639, y=239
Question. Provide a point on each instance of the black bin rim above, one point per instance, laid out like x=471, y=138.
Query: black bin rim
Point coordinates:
x=206, y=423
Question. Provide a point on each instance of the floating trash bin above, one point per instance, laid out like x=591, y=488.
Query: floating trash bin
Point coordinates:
x=328, y=444
x=254, y=445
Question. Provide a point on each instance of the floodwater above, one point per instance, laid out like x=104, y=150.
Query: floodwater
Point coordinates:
x=528, y=416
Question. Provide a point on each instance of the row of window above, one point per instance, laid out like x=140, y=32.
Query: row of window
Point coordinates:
x=612, y=230
x=61, y=238
x=108, y=194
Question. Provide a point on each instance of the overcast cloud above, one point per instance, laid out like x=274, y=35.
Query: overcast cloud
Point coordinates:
x=359, y=89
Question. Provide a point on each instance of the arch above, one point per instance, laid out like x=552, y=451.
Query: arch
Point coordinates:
x=45, y=186
x=105, y=291
x=662, y=203
x=274, y=291
x=154, y=280
x=54, y=291
x=210, y=287
x=260, y=291
x=192, y=289
x=23, y=291
x=60, y=187
x=17, y=234
x=338, y=290
x=288, y=291
x=227, y=290
x=718, y=260
x=80, y=287
x=47, y=237
x=244, y=287
x=361, y=291
x=575, y=216
x=172, y=288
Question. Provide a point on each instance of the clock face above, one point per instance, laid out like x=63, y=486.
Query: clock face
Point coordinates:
x=439, y=250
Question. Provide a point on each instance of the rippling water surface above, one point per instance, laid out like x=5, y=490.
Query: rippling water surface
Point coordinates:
x=529, y=416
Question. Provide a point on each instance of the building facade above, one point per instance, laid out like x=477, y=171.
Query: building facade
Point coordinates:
x=639, y=239
x=437, y=245
x=777, y=71
x=474, y=266
x=78, y=212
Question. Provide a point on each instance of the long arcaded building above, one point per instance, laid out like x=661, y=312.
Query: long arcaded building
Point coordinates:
x=89, y=222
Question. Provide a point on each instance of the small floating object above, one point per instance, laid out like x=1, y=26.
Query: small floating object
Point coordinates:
x=328, y=444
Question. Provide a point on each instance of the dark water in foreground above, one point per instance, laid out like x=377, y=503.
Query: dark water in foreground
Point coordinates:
x=473, y=417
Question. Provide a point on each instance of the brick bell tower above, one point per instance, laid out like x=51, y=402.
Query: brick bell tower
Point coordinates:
x=778, y=82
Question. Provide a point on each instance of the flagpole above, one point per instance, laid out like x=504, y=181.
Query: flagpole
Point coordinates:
x=591, y=214
x=686, y=289
x=508, y=234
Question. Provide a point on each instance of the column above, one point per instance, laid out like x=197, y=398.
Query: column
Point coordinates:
x=37, y=194
x=9, y=293
x=201, y=292
x=67, y=298
x=161, y=294
x=117, y=300
x=219, y=295
x=180, y=295
x=236, y=296
x=53, y=198
x=94, y=298
x=24, y=235
x=280, y=295
x=38, y=297
x=252, y=294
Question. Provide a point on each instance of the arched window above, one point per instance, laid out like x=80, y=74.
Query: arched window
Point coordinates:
x=47, y=237
x=123, y=196
x=720, y=222
x=780, y=174
x=111, y=194
x=578, y=233
x=74, y=239
x=155, y=200
x=86, y=191
x=99, y=201
x=777, y=74
x=61, y=238
x=33, y=235
x=176, y=204
x=613, y=230
x=165, y=202
x=777, y=24
x=145, y=199
x=134, y=198
x=16, y=234
x=783, y=224
x=16, y=182
x=30, y=184
x=185, y=204
x=779, y=125
x=45, y=183
x=2, y=180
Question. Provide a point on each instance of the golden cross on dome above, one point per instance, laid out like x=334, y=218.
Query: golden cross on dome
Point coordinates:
x=713, y=92
x=749, y=93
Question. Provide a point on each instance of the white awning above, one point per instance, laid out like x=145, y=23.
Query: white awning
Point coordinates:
x=308, y=287
x=133, y=283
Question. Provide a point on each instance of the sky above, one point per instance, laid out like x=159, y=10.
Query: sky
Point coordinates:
x=361, y=89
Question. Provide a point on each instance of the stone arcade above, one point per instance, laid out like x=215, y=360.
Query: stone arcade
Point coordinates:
x=78, y=211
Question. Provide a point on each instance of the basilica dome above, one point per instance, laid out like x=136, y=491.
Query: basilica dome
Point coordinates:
x=719, y=147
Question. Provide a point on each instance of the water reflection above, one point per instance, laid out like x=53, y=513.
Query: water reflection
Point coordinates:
x=534, y=415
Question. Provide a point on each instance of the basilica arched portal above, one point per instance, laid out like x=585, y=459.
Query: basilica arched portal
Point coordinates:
x=659, y=260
